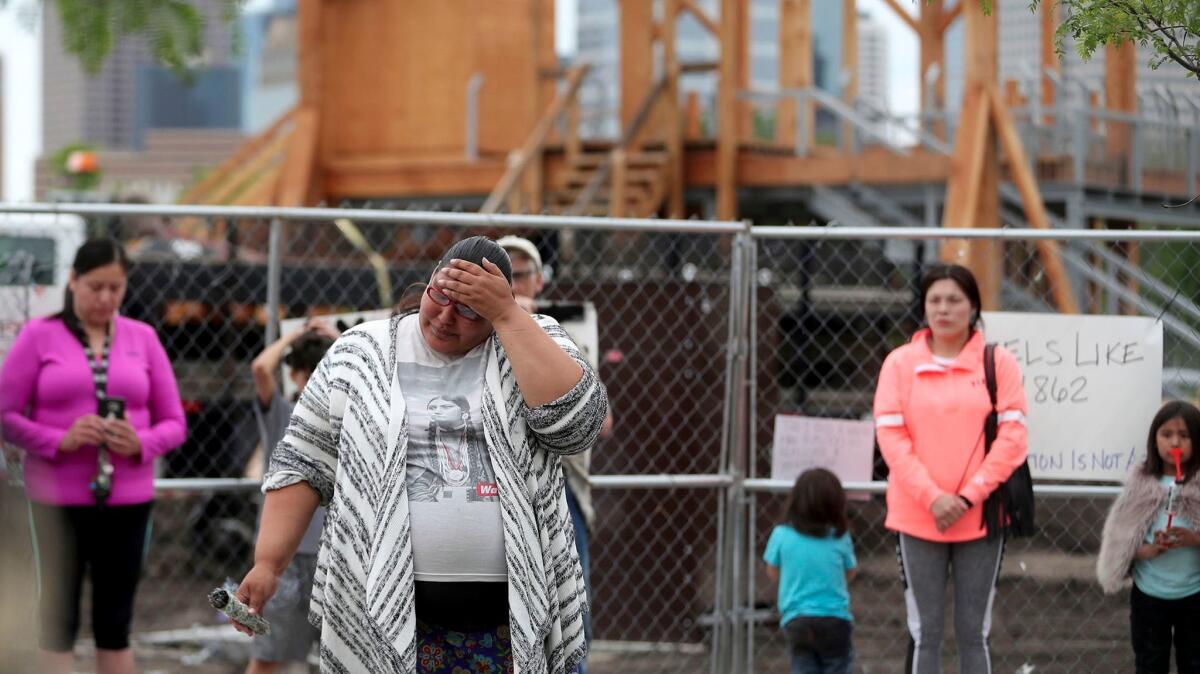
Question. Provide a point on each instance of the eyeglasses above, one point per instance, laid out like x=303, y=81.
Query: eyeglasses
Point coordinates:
x=519, y=275
x=439, y=298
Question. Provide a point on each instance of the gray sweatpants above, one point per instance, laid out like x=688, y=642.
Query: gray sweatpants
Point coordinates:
x=924, y=568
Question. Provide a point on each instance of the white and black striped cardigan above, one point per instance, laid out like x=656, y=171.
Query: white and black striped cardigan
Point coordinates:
x=348, y=439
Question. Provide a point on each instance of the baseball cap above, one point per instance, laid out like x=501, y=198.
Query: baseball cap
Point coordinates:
x=523, y=246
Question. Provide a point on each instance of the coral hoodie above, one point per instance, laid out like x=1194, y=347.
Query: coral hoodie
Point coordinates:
x=929, y=422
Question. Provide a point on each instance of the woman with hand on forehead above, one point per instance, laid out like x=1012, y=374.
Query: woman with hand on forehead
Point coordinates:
x=434, y=439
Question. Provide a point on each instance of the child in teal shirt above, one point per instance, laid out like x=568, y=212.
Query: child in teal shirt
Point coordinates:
x=812, y=559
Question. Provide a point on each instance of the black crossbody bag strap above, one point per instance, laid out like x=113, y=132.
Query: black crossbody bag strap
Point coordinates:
x=991, y=424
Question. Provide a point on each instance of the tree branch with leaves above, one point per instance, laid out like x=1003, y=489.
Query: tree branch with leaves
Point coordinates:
x=1171, y=28
x=173, y=30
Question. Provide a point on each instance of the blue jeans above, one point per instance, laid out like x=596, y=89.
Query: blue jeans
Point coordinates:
x=581, y=545
x=820, y=645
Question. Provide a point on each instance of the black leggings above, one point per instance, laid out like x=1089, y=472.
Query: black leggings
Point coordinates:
x=1156, y=624
x=108, y=543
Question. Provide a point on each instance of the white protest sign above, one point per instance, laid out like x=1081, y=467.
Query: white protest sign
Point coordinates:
x=1093, y=384
x=844, y=446
x=579, y=320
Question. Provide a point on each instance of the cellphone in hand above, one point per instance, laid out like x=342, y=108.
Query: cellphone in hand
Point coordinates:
x=111, y=407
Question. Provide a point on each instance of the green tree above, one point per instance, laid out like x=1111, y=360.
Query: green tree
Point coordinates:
x=1171, y=28
x=173, y=30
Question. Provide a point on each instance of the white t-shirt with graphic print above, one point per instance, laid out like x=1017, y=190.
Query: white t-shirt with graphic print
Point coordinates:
x=457, y=529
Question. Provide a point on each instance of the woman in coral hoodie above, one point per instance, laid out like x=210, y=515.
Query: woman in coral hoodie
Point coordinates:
x=90, y=397
x=930, y=407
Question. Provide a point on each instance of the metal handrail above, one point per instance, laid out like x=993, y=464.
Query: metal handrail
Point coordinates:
x=927, y=233
x=831, y=103
x=536, y=141
x=630, y=134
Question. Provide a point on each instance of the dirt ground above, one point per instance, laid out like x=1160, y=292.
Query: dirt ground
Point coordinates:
x=1048, y=618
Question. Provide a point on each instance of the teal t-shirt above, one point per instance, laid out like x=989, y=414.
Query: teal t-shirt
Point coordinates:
x=1174, y=574
x=812, y=573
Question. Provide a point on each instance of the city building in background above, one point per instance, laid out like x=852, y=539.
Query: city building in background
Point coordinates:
x=154, y=133
x=599, y=45
x=1020, y=61
x=269, y=86
x=872, y=63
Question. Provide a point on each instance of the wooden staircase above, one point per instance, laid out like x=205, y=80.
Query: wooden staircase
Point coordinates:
x=631, y=177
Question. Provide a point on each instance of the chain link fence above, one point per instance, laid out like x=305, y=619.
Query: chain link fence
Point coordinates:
x=831, y=304
x=695, y=319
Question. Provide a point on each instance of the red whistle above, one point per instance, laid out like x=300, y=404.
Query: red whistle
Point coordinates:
x=1177, y=457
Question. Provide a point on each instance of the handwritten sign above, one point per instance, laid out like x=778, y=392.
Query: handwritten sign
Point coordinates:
x=843, y=446
x=1093, y=384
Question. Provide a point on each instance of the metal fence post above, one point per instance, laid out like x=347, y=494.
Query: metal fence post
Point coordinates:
x=751, y=277
x=726, y=653
x=274, y=270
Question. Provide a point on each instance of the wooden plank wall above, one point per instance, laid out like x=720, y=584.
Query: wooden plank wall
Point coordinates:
x=392, y=83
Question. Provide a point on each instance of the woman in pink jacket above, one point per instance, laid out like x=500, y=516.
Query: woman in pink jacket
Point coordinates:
x=91, y=399
x=930, y=407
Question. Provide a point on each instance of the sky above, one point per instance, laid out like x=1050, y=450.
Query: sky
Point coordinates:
x=21, y=98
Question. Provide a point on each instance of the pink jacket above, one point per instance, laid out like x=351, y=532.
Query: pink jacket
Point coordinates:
x=929, y=423
x=46, y=384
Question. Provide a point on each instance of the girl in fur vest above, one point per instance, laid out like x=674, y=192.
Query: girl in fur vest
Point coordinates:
x=1164, y=562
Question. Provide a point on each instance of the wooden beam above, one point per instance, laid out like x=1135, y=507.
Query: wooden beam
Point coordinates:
x=1048, y=13
x=199, y=192
x=701, y=16
x=299, y=161
x=249, y=172
x=981, y=44
x=262, y=192
x=1035, y=209
x=933, y=53
x=727, y=136
x=949, y=16
x=966, y=165
x=1120, y=95
x=795, y=68
x=849, y=62
x=904, y=15
x=364, y=177
x=531, y=150
x=617, y=194
x=675, y=122
x=874, y=166
x=637, y=55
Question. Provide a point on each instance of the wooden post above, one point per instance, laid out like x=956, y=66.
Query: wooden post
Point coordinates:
x=849, y=64
x=674, y=130
x=1035, y=209
x=795, y=67
x=1120, y=95
x=620, y=180
x=637, y=55
x=933, y=52
x=1049, y=16
x=695, y=129
x=745, y=108
x=982, y=60
x=727, y=136
x=310, y=65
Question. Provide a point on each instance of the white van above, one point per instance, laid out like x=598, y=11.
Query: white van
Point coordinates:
x=36, y=252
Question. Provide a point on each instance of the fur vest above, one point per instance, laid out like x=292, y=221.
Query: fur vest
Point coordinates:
x=1131, y=516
